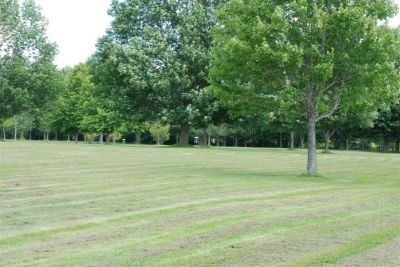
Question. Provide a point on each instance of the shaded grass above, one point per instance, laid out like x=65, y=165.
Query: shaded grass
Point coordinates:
x=75, y=204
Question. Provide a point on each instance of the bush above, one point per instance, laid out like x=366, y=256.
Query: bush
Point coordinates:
x=115, y=137
x=90, y=137
x=159, y=132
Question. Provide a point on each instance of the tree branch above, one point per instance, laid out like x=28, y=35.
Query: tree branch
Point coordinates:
x=332, y=133
x=338, y=94
x=324, y=88
x=335, y=107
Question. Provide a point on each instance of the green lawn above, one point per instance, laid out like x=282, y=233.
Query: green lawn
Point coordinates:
x=65, y=204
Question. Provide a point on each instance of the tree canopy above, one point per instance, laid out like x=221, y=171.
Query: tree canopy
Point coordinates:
x=319, y=56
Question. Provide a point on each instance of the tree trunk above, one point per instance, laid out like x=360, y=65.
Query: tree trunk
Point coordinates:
x=224, y=141
x=245, y=142
x=397, y=148
x=312, y=148
x=236, y=141
x=302, y=142
x=138, y=139
x=385, y=144
x=280, y=140
x=48, y=136
x=218, y=140
x=56, y=136
x=44, y=136
x=76, y=137
x=4, y=133
x=177, y=138
x=327, y=140
x=101, y=139
x=291, y=139
x=209, y=140
x=15, y=127
x=113, y=138
x=21, y=135
x=30, y=134
x=69, y=138
x=203, y=138
x=184, y=134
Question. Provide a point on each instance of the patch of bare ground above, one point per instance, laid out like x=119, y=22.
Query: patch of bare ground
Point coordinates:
x=386, y=255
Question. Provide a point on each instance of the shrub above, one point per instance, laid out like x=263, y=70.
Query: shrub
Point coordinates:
x=159, y=132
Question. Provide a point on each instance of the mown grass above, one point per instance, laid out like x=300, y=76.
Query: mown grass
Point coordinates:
x=66, y=204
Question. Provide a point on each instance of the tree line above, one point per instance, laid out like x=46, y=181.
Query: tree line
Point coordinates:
x=240, y=73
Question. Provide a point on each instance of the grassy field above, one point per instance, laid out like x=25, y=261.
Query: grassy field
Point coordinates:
x=66, y=204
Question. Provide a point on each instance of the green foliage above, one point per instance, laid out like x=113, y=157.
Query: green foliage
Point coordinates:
x=8, y=124
x=305, y=57
x=72, y=104
x=159, y=132
x=116, y=136
x=388, y=122
x=161, y=60
x=26, y=121
x=9, y=20
x=308, y=55
x=219, y=130
x=12, y=100
x=28, y=78
x=90, y=137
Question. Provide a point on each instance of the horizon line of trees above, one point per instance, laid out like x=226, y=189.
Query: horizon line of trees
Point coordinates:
x=383, y=136
x=255, y=73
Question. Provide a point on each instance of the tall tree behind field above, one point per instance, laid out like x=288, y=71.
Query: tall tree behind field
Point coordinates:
x=325, y=55
x=28, y=77
x=160, y=51
x=67, y=113
x=9, y=20
x=12, y=99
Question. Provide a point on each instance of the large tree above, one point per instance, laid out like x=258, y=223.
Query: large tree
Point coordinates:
x=28, y=78
x=69, y=108
x=160, y=53
x=322, y=54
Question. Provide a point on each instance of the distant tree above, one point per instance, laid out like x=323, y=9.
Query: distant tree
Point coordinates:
x=159, y=132
x=7, y=125
x=12, y=100
x=27, y=73
x=68, y=111
x=26, y=122
x=322, y=54
x=218, y=132
x=98, y=119
x=387, y=126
